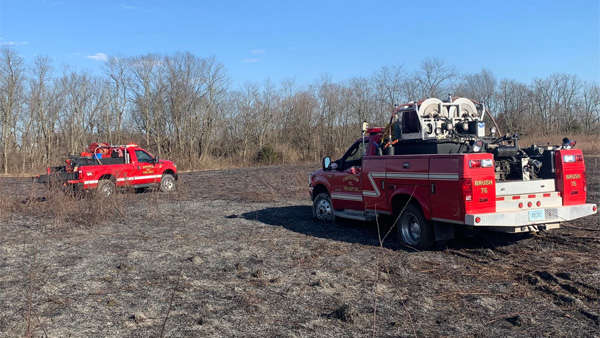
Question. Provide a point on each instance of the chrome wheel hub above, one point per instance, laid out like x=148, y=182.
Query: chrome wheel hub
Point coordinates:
x=324, y=210
x=411, y=229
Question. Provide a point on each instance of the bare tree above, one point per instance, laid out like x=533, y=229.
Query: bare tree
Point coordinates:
x=434, y=78
x=513, y=107
x=42, y=108
x=119, y=86
x=148, y=88
x=388, y=83
x=554, y=100
x=590, y=107
x=480, y=87
x=11, y=99
x=182, y=104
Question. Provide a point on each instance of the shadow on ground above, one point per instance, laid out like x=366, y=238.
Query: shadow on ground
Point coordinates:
x=298, y=218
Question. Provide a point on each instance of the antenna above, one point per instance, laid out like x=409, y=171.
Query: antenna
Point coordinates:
x=365, y=126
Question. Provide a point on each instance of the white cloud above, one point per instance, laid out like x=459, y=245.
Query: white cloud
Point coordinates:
x=251, y=60
x=257, y=51
x=98, y=57
x=13, y=43
x=129, y=7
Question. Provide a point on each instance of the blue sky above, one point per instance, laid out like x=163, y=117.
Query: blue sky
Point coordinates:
x=302, y=40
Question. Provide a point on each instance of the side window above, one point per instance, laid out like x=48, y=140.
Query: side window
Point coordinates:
x=410, y=122
x=353, y=157
x=358, y=151
x=143, y=156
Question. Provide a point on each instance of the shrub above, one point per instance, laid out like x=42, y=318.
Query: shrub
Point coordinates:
x=267, y=155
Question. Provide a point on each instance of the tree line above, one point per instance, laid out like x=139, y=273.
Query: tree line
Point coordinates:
x=183, y=107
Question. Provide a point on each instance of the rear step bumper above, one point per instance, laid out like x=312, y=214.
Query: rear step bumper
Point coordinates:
x=531, y=216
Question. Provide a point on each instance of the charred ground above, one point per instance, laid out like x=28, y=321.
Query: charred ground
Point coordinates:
x=235, y=252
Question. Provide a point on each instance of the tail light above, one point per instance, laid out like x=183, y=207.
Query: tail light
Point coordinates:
x=484, y=163
x=572, y=158
x=467, y=189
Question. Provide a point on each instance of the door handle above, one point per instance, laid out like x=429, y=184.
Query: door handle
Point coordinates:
x=405, y=165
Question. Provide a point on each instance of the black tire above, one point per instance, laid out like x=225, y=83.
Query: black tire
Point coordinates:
x=323, y=208
x=412, y=228
x=167, y=183
x=106, y=188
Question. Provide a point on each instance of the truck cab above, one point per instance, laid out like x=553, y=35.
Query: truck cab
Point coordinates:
x=431, y=178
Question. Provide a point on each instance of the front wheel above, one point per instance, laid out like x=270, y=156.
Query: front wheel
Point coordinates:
x=167, y=183
x=413, y=229
x=323, y=208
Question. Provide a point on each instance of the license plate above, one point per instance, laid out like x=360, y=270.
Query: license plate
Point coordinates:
x=536, y=215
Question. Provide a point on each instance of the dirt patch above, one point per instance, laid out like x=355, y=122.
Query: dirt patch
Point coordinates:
x=236, y=253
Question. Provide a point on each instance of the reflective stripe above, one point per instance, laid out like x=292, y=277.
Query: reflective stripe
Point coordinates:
x=132, y=178
x=431, y=176
x=347, y=197
x=407, y=175
x=444, y=176
x=375, y=192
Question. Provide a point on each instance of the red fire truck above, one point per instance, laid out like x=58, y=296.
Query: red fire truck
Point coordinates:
x=104, y=168
x=434, y=168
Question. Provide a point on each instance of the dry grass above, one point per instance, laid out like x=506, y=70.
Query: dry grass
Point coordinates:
x=589, y=144
x=205, y=262
x=83, y=209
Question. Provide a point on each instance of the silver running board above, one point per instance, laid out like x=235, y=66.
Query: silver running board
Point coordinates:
x=353, y=214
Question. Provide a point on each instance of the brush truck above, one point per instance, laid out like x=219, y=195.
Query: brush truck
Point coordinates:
x=103, y=168
x=434, y=167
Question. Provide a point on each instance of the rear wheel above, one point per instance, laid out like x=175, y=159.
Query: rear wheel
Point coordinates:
x=323, y=208
x=167, y=183
x=413, y=229
x=106, y=188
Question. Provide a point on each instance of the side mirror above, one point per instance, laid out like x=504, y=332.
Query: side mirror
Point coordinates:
x=326, y=162
x=156, y=159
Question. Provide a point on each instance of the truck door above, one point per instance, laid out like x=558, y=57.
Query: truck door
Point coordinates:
x=145, y=168
x=125, y=170
x=445, y=188
x=346, y=181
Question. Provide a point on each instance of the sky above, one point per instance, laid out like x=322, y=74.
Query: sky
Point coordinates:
x=305, y=40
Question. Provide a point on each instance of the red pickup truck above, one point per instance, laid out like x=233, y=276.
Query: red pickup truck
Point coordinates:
x=431, y=185
x=104, y=168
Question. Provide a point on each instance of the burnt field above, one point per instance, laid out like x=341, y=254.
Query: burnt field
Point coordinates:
x=236, y=253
